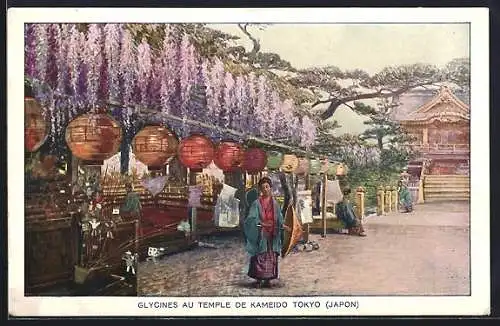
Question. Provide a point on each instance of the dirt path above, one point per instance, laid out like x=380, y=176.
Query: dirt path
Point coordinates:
x=422, y=253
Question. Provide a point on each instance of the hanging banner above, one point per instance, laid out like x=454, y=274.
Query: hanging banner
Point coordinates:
x=227, y=208
x=155, y=185
x=277, y=190
x=213, y=170
x=195, y=196
x=304, y=206
x=229, y=213
x=333, y=192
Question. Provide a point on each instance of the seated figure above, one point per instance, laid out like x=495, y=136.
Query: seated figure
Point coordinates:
x=405, y=200
x=345, y=212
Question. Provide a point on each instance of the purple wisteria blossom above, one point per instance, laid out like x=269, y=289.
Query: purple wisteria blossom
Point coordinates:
x=84, y=70
x=308, y=134
x=170, y=71
x=144, y=70
x=262, y=108
x=214, y=91
x=229, y=101
x=187, y=72
x=112, y=55
x=285, y=117
x=241, y=105
x=127, y=74
x=41, y=36
x=30, y=54
x=93, y=61
x=274, y=104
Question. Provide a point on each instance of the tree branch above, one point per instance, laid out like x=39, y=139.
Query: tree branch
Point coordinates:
x=256, y=43
x=335, y=102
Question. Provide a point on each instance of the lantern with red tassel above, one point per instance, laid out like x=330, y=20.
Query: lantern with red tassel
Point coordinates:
x=154, y=146
x=196, y=152
x=228, y=156
x=35, y=126
x=94, y=137
x=255, y=160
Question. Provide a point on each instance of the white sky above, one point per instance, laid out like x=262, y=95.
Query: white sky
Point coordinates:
x=369, y=47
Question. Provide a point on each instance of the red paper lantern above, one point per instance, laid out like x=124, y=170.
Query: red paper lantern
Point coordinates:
x=228, y=156
x=196, y=152
x=35, y=127
x=154, y=146
x=254, y=160
x=94, y=137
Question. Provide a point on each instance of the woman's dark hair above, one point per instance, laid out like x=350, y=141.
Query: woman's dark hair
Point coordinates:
x=346, y=191
x=265, y=180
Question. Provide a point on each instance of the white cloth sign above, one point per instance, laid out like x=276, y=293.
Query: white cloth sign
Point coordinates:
x=213, y=170
x=155, y=185
x=229, y=213
x=227, y=208
x=333, y=191
x=304, y=206
x=194, y=196
x=227, y=192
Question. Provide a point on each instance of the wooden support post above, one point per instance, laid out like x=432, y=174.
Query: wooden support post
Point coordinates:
x=192, y=210
x=420, y=191
x=194, y=229
x=323, y=205
x=380, y=200
x=137, y=242
x=307, y=229
x=388, y=199
x=394, y=198
x=360, y=202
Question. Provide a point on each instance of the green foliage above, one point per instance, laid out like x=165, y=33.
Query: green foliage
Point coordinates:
x=371, y=177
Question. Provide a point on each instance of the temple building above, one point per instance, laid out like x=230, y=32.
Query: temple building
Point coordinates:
x=439, y=122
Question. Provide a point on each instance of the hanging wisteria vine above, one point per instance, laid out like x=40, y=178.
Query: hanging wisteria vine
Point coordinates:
x=144, y=70
x=214, y=91
x=168, y=55
x=112, y=54
x=93, y=61
x=240, y=109
x=77, y=71
x=308, y=134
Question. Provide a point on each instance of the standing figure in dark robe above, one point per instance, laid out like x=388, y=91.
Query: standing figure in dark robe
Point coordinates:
x=263, y=229
x=287, y=197
x=345, y=212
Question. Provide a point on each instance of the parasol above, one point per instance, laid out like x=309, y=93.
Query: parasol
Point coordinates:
x=293, y=236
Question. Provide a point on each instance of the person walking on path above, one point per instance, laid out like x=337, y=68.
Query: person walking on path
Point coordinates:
x=263, y=229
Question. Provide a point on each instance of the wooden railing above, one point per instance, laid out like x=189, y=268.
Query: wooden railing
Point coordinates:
x=442, y=148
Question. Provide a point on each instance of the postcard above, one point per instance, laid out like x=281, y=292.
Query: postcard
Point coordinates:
x=248, y=162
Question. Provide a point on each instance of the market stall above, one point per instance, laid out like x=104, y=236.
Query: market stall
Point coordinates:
x=203, y=136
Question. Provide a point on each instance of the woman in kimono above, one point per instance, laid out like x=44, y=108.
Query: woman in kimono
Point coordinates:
x=263, y=229
x=405, y=200
x=345, y=213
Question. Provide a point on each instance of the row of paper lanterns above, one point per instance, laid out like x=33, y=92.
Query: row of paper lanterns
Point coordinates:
x=97, y=137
